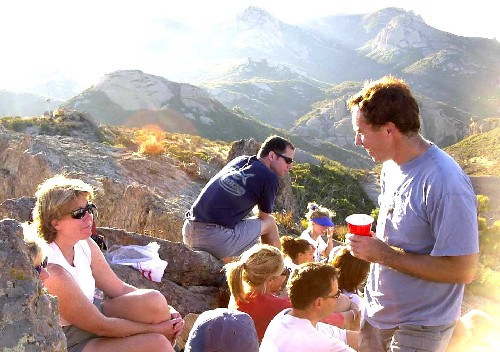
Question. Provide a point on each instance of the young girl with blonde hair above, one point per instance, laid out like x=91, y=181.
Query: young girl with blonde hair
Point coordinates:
x=320, y=223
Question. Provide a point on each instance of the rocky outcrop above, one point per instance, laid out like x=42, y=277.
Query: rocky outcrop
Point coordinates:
x=144, y=194
x=488, y=124
x=193, y=281
x=331, y=122
x=19, y=208
x=133, y=191
x=29, y=319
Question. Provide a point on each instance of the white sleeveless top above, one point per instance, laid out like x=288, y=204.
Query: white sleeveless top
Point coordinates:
x=80, y=270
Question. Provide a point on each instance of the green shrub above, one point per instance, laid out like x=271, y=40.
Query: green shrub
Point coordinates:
x=331, y=185
x=482, y=223
x=486, y=283
x=483, y=203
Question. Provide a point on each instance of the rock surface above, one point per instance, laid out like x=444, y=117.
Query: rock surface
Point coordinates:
x=193, y=280
x=138, y=196
x=29, y=319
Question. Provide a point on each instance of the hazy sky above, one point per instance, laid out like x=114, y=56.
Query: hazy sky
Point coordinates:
x=40, y=39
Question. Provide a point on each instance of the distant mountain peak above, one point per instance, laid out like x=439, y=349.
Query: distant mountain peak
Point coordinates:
x=255, y=17
x=262, y=67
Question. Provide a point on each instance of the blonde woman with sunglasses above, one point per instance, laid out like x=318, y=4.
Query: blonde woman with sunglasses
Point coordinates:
x=128, y=319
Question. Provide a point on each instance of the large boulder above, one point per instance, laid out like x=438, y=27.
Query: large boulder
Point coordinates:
x=134, y=192
x=29, y=319
x=17, y=208
x=193, y=280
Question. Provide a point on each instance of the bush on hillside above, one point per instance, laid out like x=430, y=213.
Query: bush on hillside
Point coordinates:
x=330, y=185
x=487, y=278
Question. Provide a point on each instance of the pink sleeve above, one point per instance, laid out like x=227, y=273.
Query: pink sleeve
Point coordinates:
x=335, y=319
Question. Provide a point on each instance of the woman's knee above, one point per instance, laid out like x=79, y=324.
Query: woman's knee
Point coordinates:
x=157, y=306
x=159, y=342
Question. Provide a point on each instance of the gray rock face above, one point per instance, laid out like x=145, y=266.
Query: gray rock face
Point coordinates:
x=193, y=281
x=19, y=208
x=29, y=319
x=331, y=121
x=132, y=190
x=149, y=92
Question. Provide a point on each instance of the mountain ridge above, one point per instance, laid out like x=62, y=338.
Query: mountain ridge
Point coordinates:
x=286, y=70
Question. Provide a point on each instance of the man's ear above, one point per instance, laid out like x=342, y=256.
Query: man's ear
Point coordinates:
x=390, y=127
x=271, y=155
x=318, y=302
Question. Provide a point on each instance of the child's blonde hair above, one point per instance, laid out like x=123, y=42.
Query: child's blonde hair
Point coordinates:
x=316, y=211
x=253, y=267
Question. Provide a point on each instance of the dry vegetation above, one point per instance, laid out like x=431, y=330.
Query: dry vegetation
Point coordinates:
x=153, y=141
x=478, y=154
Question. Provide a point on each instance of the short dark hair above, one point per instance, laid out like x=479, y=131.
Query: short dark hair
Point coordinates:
x=274, y=143
x=309, y=282
x=388, y=99
x=293, y=246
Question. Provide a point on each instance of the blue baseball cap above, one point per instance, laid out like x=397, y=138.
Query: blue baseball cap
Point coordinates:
x=323, y=221
x=223, y=330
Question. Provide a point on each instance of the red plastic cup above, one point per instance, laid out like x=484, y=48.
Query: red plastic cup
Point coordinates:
x=359, y=224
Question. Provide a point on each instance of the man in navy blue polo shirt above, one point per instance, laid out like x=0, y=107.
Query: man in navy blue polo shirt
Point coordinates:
x=216, y=222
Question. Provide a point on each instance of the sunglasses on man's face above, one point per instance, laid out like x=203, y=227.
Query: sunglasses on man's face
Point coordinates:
x=287, y=159
x=80, y=213
x=335, y=296
x=38, y=268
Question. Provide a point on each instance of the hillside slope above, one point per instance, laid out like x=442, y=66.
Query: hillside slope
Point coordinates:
x=478, y=154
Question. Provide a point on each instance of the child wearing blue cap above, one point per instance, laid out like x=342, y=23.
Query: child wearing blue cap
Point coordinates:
x=320, y=223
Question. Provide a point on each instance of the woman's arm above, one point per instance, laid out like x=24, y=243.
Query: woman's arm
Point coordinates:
x=126, y=302
x=105, y=278
x=76, y=308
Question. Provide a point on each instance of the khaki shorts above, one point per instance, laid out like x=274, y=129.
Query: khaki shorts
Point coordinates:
x=77, y=338
x=220, y=241
x=405, y=338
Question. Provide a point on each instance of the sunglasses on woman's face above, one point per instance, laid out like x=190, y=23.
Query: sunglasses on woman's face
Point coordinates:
x=38, y=268
x=80, y=213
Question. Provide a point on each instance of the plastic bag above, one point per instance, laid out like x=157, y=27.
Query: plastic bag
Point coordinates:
x=144, y=258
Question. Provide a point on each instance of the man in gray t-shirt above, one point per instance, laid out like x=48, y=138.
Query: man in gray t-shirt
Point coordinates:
x=426, y=246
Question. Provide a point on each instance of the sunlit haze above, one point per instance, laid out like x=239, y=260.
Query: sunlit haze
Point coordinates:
x=44, y=40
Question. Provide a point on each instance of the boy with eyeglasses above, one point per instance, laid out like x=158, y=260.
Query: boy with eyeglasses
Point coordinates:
x=216, y=222
x=313, y=292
